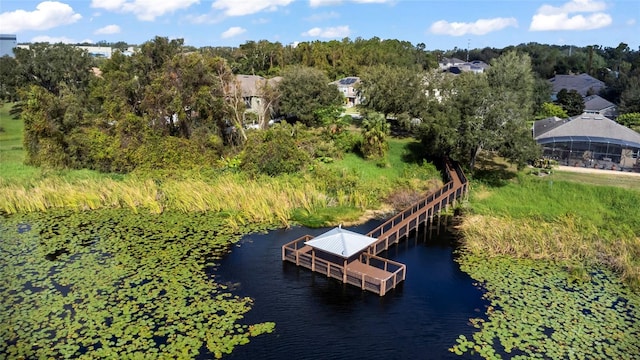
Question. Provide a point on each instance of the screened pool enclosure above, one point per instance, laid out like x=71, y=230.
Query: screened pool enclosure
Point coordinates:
x=589, y=140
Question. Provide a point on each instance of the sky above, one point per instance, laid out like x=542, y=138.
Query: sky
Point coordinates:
x=440, y=25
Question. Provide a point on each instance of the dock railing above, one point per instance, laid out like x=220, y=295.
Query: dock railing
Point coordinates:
x=410, y=218
x=398, y=272
x=390, y=232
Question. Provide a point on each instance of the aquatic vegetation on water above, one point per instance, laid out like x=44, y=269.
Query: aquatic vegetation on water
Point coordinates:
x=541, y=309
x=113, y=284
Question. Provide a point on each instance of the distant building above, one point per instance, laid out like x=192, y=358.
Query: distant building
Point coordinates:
x=7, y=43
x=346, y=86
x=457, y=66
x=584, y=84
x=97, y=51
x=446, y=63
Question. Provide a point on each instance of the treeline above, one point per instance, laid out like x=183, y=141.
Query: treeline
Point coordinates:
x=171, y=106
x=162, y=107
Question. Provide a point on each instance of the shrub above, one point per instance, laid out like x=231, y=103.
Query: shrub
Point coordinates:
x=274, y=151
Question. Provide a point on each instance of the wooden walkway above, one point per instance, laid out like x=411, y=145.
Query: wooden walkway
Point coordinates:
x=369, y=271
x=421, y=211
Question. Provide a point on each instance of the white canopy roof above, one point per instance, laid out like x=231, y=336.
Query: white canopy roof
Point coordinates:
x=341, y=242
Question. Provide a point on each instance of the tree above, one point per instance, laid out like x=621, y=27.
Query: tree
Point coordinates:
x=630, y=120
x=303, y=91
x=542, y=91
x=375, y=130
x=9, y=79
x=54, y=66
x=274, y=151
x=630, y=97
x=485, y=111
x=51, y=126
x=571, y=101
x=551, y=110
x=392, y=90
x=512, y=82
x=269, y=102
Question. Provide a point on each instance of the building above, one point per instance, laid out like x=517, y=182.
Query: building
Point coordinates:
x=589, y=140
x=347, y=86
x=7, y=43
x=457, y=66
x=97, y=51
x=251, y=92
x=595, y=104
x=584, y=84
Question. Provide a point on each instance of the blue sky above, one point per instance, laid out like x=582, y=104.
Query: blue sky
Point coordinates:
x=438, y=24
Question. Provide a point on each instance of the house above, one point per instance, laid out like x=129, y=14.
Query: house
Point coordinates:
x=457, y=66
x=446, y=63
x=584, y=84
x=251, y=93
x=250, y=86
x=347, y=86
x=595, y=104
x=589, y=140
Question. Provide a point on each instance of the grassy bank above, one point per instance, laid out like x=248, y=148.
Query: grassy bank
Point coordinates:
x=606, y=178
x=550, y=218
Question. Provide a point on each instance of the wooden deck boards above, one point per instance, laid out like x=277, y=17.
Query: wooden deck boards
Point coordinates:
x=369, y=270
x=377, y=278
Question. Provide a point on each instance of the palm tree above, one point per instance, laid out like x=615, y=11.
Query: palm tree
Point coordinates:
x=375, y=130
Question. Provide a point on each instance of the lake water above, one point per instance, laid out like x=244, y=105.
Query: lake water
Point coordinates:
x=320, y=318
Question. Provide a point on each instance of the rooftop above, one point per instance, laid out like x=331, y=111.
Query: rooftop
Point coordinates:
x=341, y=242
x=588, y=127
x=581, y=83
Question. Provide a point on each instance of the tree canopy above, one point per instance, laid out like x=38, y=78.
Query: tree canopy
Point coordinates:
x=139, y=109
x=571, y=102
x=304, y=91
x=485, y=111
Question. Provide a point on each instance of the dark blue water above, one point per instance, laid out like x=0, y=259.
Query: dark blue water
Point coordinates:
x=320, y=318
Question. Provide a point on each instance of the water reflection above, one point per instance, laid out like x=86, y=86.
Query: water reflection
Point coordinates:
x=321, y=318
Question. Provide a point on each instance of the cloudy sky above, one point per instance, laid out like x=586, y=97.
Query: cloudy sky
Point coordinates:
x=438, y=24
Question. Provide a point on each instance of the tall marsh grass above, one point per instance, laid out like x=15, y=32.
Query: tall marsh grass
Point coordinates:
x=569, y=222
x=264, y=200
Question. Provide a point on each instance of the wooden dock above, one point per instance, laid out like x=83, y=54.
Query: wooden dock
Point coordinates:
x=368, y=270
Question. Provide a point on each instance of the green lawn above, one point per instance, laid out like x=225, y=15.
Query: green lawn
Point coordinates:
x=12, y=154
x=370, y=171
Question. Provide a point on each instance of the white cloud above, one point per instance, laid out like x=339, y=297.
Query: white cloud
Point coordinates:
x=109, y=29
x=204, y=19
x=317, y=3
x=549, y=18
x=59, y=39
x=247, y=7
x=323, y=16
x=233, y=31
x=47, y=15
x=480, y=27
x=146, y=10
x=631, y=22
x=261, y=21
x=330, y=32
